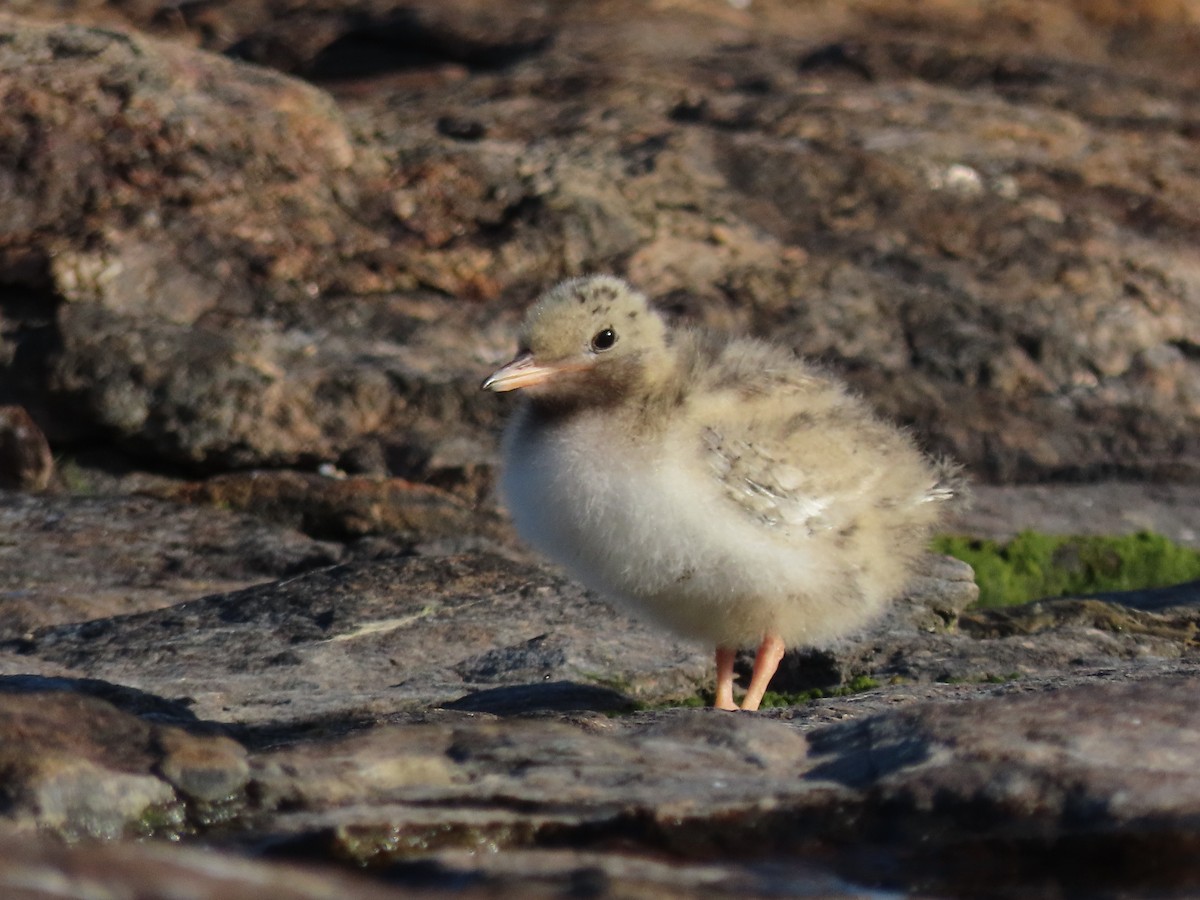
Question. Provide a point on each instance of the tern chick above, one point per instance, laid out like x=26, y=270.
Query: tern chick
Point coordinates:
x=724, y=487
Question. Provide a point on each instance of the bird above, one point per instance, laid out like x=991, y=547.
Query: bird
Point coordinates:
x=724, y=487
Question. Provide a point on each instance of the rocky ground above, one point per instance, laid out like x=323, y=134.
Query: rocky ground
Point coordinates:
x=473, y=722
x=266, y=632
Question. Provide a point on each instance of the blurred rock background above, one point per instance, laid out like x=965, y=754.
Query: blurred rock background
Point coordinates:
x=244, y=234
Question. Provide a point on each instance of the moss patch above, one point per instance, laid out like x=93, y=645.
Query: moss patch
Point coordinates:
x=771, y=699
x=857, y=685
x=1033, y=565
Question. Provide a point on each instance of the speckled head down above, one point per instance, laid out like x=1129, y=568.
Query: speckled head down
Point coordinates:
x=588, y=337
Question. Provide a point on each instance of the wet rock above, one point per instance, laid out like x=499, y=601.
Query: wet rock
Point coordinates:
x=77, y=766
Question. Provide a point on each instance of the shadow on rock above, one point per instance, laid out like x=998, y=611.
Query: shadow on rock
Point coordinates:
x=557, y=696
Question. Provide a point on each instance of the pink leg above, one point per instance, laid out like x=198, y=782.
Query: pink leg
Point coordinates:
x=766, y=661
x=724, y=699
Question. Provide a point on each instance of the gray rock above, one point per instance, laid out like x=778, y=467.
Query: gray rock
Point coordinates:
x=339, y=507
x=996, y=777
x=1108, y=507
x=367, y=639
x=406, y=712
x=75, y=558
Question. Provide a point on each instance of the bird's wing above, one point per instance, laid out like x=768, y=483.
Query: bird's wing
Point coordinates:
x=763, y=482
x=792, y=449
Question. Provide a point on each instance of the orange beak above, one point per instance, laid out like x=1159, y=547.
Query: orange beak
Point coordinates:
x=521, y=372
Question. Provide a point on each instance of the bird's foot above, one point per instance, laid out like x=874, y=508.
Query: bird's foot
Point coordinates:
x=766, y=662
x=724, y=698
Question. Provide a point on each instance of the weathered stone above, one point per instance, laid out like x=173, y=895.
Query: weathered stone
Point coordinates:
x=983, y=224
x=1099, y=775
x=77, y=766
x=555, y=696
x=209, y=770
x=1161, y=621
x=25, y=460
x=155, y=103
x=74, y=558
x=128, y=163
x=999, y=512
x=38, y=868
x=934, y=598
x=378, y=765
x=346, y=667
x=1000, y=775
x=410, y=632
x=344, y=508
x=360, y=640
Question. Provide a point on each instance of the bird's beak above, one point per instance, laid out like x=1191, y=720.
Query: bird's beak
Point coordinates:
x=522, y=372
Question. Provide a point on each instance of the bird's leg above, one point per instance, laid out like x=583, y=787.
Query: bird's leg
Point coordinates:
x=724, y=698
x=766, y=661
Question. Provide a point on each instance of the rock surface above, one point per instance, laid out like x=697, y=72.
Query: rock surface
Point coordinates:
x=25, y=460
x=999, y=512
x=476, y=722
x=74, y=558
x=268, y=250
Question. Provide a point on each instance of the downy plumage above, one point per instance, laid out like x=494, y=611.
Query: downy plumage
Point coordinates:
x=725, y=488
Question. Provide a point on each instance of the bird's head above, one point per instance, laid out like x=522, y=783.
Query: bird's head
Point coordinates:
x=588, y=340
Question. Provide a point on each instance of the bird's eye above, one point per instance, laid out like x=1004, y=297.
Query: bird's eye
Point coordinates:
x=603, y=340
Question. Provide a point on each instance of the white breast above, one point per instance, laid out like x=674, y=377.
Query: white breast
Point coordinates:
x=648, y=524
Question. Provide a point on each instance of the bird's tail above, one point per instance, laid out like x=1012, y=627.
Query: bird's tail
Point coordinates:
x=950, y=483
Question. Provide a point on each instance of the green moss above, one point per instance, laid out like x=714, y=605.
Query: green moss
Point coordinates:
x=1004, y=678
x=74, y=477
x=376, y=846
x=161, y=820
x=772, y=699
x=859, y=684
x=1034, y=565
x=985, y=678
